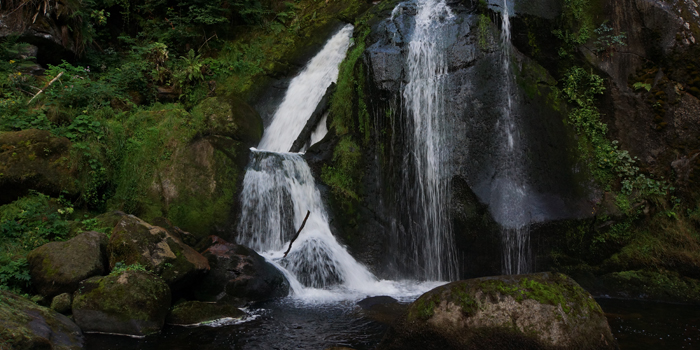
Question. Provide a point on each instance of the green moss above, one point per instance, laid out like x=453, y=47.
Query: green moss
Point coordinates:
x=424, y=307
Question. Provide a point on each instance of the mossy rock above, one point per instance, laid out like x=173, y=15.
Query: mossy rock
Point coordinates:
x=238, y=275
x=197, y=312
x=537, y=311
x=62, y=303
x=25, y=325
x=230, y=117
x=35, y=160
x=135, y=241
x=58, y=267
x=643, y=284
x=131, y=303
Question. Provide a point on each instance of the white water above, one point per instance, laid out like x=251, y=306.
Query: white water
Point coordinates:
x=279, y=189
x=426, y=184
x=508, y=198
x=305, y=92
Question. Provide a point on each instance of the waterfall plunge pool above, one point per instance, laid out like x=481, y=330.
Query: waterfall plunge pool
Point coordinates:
x=291, y=324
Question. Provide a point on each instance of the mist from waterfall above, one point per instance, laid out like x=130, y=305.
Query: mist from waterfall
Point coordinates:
x=424, y=236
x=509, y=189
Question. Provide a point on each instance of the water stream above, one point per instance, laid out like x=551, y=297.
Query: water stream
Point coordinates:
x=508, y=198
x=279, y=189
x=425, y=238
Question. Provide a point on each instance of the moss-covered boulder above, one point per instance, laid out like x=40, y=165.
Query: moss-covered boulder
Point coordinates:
x=58, y=267
x=62, y=303
x=197, y=312
x=537, y=311
x=239, y=274
x=135, y=241
x=132, y=303
x=230, y=117
x=34, y=160
x=26, y=325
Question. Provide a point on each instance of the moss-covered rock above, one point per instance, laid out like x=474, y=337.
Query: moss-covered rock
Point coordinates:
x=25, y=325
x=132, y=302
x=135, y=241
x=58, y=267
x=62, y=303
x=197, y=312
x=230, y=117
x=239, y=274
x=35, y=160
x=537, y=311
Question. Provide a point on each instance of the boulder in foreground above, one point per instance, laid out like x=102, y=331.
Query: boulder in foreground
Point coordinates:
x=26, y=325
x=129, y=303
x=536, y=311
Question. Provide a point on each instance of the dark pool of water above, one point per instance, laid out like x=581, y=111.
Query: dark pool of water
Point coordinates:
x=279, y=325
x=288, y=325
x=649, y=325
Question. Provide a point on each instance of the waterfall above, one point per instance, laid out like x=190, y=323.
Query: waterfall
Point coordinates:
x=508, y=198
x=425, y=236
x=279, y=189
x=304, y=93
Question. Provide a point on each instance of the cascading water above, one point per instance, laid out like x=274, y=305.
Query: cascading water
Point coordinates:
x=304, y=93
x=279, y=188
x=508, y=201
x=426, y=235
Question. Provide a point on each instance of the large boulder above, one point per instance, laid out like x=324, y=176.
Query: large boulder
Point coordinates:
x=537, y=311
x=197, y=312
x=135, y=241
x=26, y=325
x=239, y=274
x=132, y=302
x=35, y=160
x=230, y=117
x=58, y=267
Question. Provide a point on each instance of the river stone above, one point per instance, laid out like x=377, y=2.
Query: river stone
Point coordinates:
x=58, y=267
x=239, y=274
x=26, y=325
x=196, y=312
x=62, y=303
x=536, y=311
x=135, y=241
x=132, y=303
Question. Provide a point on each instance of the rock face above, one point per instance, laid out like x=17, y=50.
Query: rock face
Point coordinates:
x=135, y=241
x=34, y=159
x=26, y=325
x=537, y=311
x=196, y=312
x=58, y=267
x=132, y=302
x=239, y=274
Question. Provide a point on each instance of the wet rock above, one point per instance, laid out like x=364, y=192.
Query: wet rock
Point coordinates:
x=175, y=231
x=34, y=160
x=130, y=303
x=239, y=274
x=62, y=303
x=26, y=325
x=382, y=309
x=537, y=311
x=197, y=312
x=58, y=267
x=135, y=241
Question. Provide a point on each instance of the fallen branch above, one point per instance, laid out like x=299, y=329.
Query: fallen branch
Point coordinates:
x=45, y=87
x=297, y=235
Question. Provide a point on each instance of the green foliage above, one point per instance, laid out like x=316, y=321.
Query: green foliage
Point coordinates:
x=120, y=267
x=606, y=161
x=606, y=41
x=639, y=85
x=343, y=176
x=26, y=224
x=484, y=31
x=576, y=26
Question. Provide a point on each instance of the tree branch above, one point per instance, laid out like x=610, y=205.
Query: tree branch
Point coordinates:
x=297, y=235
